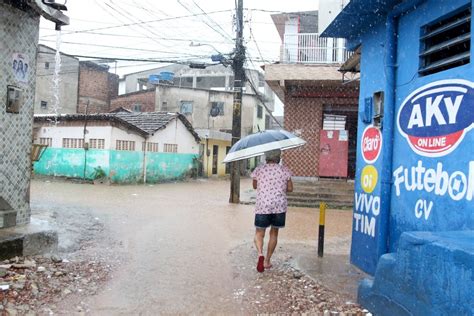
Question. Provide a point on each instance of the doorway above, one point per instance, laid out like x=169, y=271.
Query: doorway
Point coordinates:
x=215, y=156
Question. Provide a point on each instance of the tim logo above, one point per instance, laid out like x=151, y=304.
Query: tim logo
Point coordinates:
x=435, y=117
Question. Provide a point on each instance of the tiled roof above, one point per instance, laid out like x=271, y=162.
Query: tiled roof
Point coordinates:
x=146, y=123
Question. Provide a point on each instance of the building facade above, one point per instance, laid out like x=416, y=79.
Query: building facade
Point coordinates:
x=413, y=224
x=68, y=83
x=83, y=85
x=311, y=88
x=123, y=147
x=19, y=30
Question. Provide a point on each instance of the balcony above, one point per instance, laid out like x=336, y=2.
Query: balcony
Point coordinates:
x=309, y=48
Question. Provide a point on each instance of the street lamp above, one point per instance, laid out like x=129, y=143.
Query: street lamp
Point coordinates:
x=215, y=58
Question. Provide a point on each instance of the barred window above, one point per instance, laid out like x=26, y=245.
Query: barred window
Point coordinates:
x=125, y=145
x=46, y=141
x=97, y=143
x=73, y=143
x=153, y=147
x=170, y=148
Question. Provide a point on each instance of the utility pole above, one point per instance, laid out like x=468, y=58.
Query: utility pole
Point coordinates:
x=239, y=79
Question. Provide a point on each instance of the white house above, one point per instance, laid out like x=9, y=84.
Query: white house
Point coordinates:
x=125, y=147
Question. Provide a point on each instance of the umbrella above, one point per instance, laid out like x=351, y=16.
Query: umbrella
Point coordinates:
x=257, y=144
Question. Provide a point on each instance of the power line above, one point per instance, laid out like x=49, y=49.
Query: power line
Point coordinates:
x=210, y=26
x=143, y=22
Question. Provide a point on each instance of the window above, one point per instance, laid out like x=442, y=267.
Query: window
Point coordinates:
x=46, y=141
x=170, y=148
x=217, y=109
x=164, y=106
x=259, y=111
x=153, y=147
x=73, y=143
x=186, y=107
x=125, y=145
x=44, y=105
x=446, y=43
x=46, y=65
x=137, y=108
x=97, y=143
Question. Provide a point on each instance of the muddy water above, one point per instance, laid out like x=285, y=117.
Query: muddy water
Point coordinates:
x=176, y=241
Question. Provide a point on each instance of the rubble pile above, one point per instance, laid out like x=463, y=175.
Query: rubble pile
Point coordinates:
x=29, y=286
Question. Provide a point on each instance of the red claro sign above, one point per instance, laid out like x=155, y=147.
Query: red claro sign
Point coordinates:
x=371, y=144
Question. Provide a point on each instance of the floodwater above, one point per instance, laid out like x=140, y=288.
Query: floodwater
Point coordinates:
x=180, y=242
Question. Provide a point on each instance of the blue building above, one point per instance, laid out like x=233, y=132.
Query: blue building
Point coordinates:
x=413, y=225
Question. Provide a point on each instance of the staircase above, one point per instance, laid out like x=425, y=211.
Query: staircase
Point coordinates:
x=335, y=193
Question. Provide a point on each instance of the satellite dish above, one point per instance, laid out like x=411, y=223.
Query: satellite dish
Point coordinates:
x=214, y=111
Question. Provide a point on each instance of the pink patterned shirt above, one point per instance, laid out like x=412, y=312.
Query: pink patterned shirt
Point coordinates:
x=272, y=181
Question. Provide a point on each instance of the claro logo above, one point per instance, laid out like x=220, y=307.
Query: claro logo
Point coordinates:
x=435, y=117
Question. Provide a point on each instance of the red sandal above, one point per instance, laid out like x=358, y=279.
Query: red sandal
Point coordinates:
x=260, y=266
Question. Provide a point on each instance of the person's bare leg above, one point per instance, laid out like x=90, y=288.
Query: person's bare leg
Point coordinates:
x=259, y=236
x=272, y=243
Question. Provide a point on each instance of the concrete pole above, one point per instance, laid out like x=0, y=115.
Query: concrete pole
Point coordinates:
x=239, y=79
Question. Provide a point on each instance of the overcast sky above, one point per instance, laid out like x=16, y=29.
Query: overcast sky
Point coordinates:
x=164, y=29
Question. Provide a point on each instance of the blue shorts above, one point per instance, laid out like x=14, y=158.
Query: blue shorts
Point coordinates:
x=266, y=220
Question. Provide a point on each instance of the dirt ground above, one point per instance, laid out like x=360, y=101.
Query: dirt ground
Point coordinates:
x=181, y=248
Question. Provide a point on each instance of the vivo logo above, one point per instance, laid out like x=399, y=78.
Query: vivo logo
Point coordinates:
x=435, y=117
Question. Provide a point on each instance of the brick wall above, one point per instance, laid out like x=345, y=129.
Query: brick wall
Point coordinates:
x=146, y=100
x=304, y=116
x=96, y=88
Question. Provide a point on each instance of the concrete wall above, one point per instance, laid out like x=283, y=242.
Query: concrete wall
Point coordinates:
x=414, y=191
x=19, y=34
x=119, y=165
x=169, y=99
x=68, y=84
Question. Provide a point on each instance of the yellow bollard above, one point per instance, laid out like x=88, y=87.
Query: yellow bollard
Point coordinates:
x=322, y=219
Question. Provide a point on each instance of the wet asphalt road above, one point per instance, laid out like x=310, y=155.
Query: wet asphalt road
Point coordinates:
x=180, y=243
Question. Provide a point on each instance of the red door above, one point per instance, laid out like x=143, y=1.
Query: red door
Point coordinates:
x=333, y=153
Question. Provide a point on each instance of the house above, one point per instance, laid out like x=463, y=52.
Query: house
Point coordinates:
x=213, y=77
x=83, y=85
x=207, y=110
x=318, y=105
x=19, y=29
x=125, y=147
x=413, y=226
x=215, y=145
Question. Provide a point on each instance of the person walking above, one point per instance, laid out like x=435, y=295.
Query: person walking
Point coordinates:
x=272, y=181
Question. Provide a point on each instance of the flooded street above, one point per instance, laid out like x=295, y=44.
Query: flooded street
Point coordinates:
x=181, y=248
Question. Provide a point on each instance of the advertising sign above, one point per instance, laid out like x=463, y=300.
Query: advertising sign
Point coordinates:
x=434, y=118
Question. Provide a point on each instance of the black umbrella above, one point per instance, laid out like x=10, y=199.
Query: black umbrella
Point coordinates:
x=257, y=144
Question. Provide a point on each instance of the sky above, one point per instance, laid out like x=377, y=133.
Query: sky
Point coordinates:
x=164, y=30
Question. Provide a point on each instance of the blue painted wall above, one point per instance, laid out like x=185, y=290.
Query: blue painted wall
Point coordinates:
x=419, y=209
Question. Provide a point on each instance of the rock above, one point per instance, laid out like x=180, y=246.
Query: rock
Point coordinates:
x=66, y=292
x=11, y=312
x=3, y=272
x=56, y=259
x=41, y=269
x=5, y=266
x=25, y=265
x=297, y=275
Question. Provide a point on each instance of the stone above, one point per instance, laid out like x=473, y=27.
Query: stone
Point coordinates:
x=3, y=272
x=41, y=269
x=56, y=259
